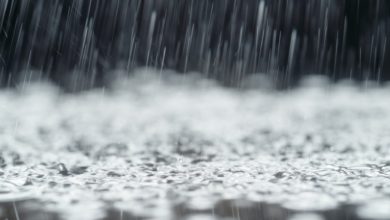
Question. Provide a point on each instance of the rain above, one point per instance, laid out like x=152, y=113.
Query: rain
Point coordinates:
x=194, y=109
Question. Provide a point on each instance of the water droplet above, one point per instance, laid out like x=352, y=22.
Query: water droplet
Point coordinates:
x=62, y=169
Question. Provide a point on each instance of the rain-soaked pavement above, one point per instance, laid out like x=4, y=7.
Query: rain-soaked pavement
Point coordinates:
x=184, y=148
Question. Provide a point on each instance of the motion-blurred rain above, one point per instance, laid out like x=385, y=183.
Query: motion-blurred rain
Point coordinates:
x=79, y=43
x=194, y=109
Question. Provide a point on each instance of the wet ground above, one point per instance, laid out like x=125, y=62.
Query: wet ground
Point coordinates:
x=177, y=147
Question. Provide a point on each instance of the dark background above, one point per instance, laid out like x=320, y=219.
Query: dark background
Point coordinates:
x=78, y=43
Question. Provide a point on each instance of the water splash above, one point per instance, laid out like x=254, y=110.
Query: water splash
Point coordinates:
x=151, y=144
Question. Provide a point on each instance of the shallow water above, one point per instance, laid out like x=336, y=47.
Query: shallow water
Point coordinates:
x=160, y=146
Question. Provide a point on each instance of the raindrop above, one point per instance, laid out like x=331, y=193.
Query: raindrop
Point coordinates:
x=62, y=169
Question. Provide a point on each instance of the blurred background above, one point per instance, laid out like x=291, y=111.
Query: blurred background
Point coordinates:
x=79, y=44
